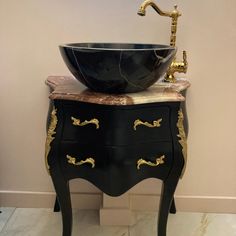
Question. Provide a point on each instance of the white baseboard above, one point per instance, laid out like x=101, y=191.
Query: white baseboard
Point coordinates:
x=211, y=204
x=141, y=202
x=24, y=199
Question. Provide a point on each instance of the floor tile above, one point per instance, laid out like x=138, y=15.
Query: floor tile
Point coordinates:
x=88, y=225
x=5, y=215
x=146, y=225
x=187, y=224
x=38, y=222
x=184, y=224
x=218, y=225
x=33, y=222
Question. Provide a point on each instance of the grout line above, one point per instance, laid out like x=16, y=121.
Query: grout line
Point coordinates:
x=8, y=219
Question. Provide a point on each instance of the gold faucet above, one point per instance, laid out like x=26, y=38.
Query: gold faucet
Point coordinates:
x=175, y=66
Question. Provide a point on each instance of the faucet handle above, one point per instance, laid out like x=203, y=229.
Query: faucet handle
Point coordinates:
x=176, y=66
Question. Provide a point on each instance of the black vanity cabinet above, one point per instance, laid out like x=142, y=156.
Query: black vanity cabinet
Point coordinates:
x=115, y=147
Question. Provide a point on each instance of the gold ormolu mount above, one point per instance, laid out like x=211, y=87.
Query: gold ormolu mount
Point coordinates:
x=175, y=66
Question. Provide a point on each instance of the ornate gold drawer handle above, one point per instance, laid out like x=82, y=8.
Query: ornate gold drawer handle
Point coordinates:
x=155, y=123
x=72, y=160
x=159, y=161
x=77, y=122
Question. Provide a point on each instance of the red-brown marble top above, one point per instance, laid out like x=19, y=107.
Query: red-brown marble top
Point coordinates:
x=68, y=88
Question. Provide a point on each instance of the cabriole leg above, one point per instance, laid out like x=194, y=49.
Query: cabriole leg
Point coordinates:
x=168, y=189
x=63, y=197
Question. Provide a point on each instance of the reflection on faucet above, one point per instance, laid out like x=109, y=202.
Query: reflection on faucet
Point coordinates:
x=180, y=67
x=145, y=4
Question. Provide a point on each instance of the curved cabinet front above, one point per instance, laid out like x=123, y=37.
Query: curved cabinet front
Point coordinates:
x=115, y=147
x=115, y=126
x=114, y=169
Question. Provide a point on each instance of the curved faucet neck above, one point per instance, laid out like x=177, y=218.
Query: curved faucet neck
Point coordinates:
x=182, y=66
x=173, y=15
x=155, y=7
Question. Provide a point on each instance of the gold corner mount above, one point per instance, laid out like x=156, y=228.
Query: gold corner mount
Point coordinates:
x=182, y=138
x=50, y=136
x=158, y=162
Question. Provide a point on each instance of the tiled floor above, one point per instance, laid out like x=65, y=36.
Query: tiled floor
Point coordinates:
x=44, y=222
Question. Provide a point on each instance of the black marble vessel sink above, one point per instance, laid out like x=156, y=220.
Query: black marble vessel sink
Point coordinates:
x=117, y=67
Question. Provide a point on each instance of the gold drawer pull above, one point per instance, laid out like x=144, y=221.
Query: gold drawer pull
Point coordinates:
x=159, y=161
x=155, y=123
x=72, y=160
x=77, y=122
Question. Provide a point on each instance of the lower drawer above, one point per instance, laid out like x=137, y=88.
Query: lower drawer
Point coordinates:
x=142, y=161
x=83, y=157
x=147, y=160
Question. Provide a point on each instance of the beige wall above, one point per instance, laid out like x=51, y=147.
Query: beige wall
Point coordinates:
x=30, y=32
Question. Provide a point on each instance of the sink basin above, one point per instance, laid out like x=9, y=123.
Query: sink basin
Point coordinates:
x=117, y=67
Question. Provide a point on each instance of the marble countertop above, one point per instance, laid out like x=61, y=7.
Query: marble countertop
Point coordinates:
x=68, y=88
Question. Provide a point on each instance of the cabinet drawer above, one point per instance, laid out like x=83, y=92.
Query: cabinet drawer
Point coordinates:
x=86, y=124
x=151, y=159
x=135, y=161
x=116, y=126
x=141, y=125
x=83, y=157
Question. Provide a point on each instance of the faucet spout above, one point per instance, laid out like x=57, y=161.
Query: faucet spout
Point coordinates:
x=182, y=66
x=146, y=3
x=173, y=15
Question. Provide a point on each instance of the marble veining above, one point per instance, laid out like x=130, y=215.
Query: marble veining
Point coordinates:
x=80, y=71
x=124, y=77
x=68, y=88
x=38, y=222
x=6, y=213
x=202, y=230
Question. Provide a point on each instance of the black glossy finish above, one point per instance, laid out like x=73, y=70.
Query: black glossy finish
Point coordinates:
x=115, y=157
x=117, y=68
